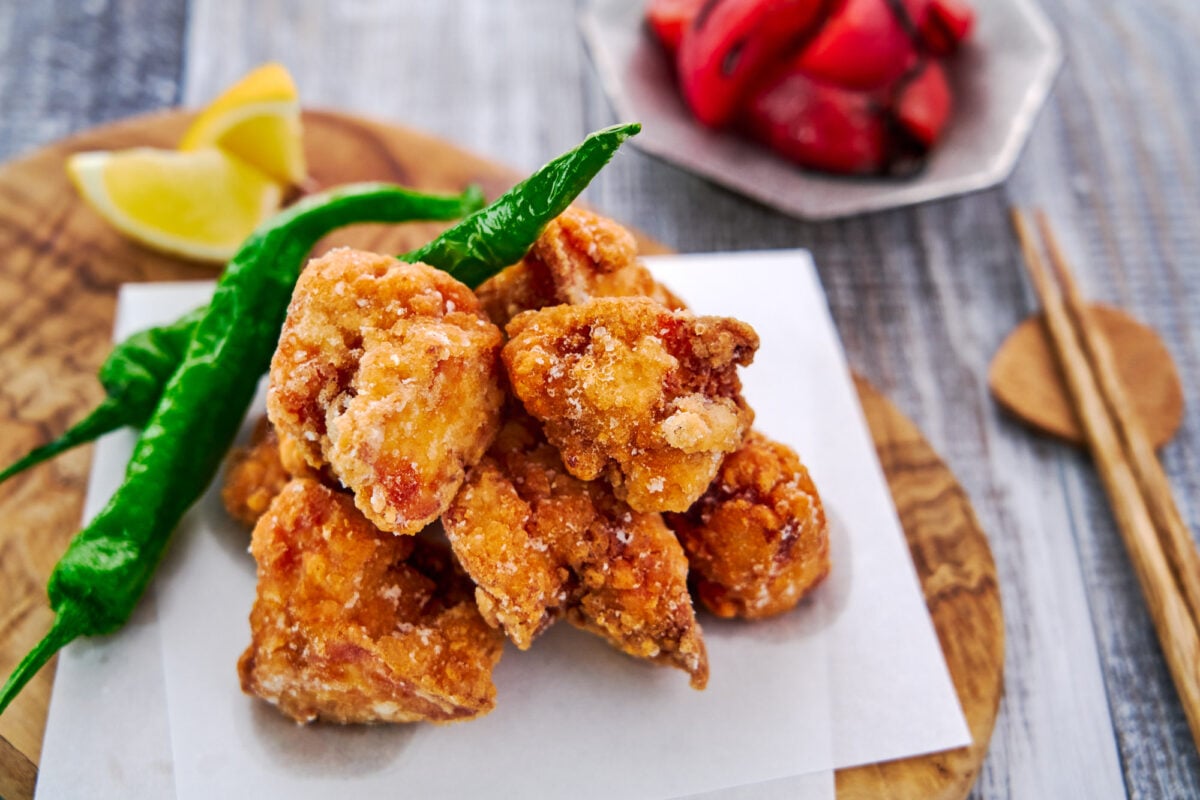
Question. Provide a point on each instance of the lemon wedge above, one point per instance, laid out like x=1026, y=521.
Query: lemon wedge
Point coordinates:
x=201, y=205
x=258, y=120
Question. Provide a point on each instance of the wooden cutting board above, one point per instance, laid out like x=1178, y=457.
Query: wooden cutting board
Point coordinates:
x=59, y=272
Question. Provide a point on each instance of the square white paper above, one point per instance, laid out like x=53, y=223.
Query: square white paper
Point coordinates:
x=854, y=675
x=891, y=693
x=107, y=727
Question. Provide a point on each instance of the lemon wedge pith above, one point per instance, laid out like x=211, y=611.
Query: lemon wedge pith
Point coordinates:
x=258, y=120
x=201, y=205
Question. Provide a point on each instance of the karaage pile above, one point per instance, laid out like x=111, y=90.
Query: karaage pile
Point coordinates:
x=352, y=624
x=387, y=373
x=627, y=389
x=388, y=392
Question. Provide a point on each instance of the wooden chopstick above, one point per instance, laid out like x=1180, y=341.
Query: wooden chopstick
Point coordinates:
x=1178, y=633
x=1156, y=489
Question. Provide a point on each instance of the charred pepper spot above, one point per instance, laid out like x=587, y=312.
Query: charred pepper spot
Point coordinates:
x=729, y=64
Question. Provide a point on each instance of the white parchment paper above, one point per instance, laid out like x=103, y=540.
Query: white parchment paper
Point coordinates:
x=854, y=675
x=891, y=693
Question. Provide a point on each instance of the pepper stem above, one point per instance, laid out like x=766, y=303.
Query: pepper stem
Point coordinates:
x=67, y=626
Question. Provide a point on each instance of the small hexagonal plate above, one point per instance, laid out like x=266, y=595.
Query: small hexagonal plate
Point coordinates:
x=1000, y=79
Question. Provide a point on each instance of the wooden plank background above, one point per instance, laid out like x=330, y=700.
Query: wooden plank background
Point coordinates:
x=922, y=297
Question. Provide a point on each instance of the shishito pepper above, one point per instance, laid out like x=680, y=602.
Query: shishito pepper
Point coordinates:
x=97, y=583
x=198, y=388
x=500, y=234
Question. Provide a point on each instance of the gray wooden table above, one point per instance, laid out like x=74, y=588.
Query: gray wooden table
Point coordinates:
x=922, y=297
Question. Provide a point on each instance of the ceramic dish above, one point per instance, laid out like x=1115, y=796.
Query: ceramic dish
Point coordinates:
x=1000, y=80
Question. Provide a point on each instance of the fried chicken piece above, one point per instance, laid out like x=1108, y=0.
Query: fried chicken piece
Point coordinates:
x=388, y=373
x=254, y=475
x=633, y=592
x=625, y=388
x=757, y=540
x=522, y=586
x=540, y=544
x=352, y=624
x=258, y=471
x=579, y=256
x=291, y=458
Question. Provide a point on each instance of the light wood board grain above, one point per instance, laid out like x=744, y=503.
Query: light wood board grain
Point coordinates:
x=950, y=552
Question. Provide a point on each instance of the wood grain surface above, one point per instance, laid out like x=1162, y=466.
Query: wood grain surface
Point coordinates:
x=950, y=551
x=958, y=577
x=922, y=297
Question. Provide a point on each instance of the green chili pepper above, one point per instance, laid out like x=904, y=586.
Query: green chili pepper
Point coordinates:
x=138, y=368
x=98, y=581
x=504, y=231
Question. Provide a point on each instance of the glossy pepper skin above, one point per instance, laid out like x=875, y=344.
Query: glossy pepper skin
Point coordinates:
x=862, y=46
x=730, y=42
x=106, y=568
x=504, y=231
x=841, y=86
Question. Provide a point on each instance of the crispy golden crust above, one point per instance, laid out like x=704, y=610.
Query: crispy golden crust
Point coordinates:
x=355, y=625
x=388, y=373
x=513, y=290
x=254, y=474
x=539, y=544
x=757, y=540
x=521, y=586
x=257, y=472
x=627, y=389
x=633, y=592
x=579, y=256
x=292, y=454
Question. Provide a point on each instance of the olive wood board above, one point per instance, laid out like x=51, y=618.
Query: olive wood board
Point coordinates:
x=59, y=276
